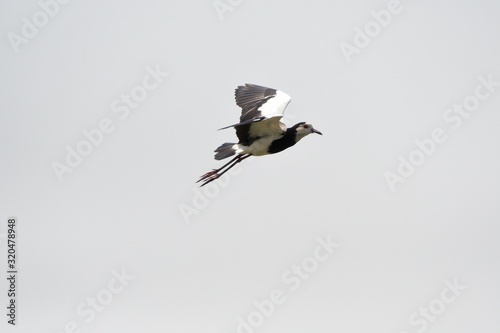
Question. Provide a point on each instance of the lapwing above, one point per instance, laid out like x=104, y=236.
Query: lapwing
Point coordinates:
x=260, y=131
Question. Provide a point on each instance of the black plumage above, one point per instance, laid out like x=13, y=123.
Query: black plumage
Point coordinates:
x=287, y=140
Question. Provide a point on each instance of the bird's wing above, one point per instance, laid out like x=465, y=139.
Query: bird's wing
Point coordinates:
x=257, y=101
x=261, y=108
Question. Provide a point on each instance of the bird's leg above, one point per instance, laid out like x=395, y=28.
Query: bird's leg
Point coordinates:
x=215, y=173
x=241, y=158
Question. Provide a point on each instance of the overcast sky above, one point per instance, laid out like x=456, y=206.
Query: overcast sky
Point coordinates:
x=389, y=222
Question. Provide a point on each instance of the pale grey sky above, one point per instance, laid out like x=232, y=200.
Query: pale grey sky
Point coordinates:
x=110, y=113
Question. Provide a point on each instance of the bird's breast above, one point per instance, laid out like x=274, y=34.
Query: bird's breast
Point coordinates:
x=259, y=147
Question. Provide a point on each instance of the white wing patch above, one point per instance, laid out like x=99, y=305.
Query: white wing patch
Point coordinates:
x=275, y=106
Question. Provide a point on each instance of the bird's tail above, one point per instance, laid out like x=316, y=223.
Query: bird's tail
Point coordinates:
x=224, y=151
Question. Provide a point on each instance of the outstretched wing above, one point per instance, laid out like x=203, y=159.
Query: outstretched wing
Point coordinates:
x=261, y=110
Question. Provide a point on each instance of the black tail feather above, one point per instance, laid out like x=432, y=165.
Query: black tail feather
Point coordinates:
x=224, y=151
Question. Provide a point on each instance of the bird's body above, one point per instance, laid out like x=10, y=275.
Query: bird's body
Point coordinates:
x=260, y=130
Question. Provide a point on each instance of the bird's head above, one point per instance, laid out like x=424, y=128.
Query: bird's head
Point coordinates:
x=302, y=129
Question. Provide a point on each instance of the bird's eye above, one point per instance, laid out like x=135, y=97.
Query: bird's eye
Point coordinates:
x=306, y=126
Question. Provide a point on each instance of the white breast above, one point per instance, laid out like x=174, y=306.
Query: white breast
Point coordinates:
x=258, y=147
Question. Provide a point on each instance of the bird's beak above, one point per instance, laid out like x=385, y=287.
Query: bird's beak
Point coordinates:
x=316, y=131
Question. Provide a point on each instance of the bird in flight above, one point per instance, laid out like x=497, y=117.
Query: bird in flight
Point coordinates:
x=260, y=131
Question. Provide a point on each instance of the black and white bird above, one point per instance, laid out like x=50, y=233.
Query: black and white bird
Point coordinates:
x=260, y=131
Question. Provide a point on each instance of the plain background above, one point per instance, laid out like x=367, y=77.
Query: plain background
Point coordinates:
x=121, y=208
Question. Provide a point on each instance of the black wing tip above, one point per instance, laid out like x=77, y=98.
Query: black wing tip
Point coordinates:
x=223, y=128
x=247, y=86
x=250, y=88
x=246, y=122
